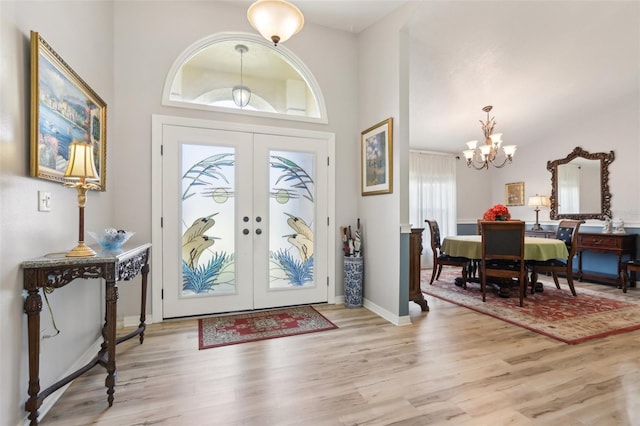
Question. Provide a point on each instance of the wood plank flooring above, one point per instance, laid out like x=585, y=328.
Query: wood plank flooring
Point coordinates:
x=450, y=366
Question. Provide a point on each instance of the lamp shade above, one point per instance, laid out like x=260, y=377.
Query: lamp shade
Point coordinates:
x=539, y=201
x=275, y=20
x=81, y=162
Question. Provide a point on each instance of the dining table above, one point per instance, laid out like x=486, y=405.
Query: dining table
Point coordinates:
x=535, y=248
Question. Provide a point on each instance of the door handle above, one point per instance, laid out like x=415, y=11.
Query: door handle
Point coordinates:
x=245, y=231
x=258, y=219
x=258, y=231
x=245, y=219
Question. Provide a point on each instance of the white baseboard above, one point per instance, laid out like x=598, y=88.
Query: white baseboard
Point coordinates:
x=133, y=321
x=392, y=318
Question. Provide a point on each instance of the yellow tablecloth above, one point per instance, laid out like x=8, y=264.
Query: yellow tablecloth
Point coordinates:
x=470, y=246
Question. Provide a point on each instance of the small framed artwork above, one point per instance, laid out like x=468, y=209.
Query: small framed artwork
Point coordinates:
x=376, y=157
x=514, y=194
x=63, y=109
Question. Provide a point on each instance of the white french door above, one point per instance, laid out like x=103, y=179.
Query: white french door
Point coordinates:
x=244, y=220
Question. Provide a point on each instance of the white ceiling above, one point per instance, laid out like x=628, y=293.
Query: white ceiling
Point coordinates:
x=535, y=61
x=350, y=15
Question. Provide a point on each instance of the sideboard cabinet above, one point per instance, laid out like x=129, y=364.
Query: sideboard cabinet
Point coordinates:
x=619, y=244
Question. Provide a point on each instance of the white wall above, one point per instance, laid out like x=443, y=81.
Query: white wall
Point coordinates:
x=145, y=50
x=81, y=33
x=616, y=128
x=381, y=97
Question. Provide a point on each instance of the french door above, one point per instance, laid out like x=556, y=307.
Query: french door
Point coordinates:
x=244, y=220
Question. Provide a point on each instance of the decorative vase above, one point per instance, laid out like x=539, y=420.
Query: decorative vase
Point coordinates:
x=353, y=278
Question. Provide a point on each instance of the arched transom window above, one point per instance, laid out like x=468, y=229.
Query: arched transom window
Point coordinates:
x=280, y=85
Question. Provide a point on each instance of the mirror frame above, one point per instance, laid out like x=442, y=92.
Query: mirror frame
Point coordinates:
x=605, y=194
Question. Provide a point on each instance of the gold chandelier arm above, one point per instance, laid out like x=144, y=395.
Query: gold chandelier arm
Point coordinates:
x=503, y=163
x=471, y=163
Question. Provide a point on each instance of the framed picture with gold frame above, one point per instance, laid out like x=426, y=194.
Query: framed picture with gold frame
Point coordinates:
x=376, y=157
x=63, y=109
x=514, y=194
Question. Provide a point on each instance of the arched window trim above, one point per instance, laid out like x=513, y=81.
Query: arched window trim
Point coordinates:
x=288, y=56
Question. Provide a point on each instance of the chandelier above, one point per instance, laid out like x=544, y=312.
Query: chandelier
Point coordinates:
x=480, y=157
x=241, y=93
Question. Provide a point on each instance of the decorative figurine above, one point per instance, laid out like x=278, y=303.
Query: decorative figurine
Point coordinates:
x=608, y=225
x=620, y=228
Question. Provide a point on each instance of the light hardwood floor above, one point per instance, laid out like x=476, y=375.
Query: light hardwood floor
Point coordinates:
x=450, y=366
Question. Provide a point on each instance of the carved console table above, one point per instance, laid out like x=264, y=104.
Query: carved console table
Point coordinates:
x=618, y=244
x=54, y=271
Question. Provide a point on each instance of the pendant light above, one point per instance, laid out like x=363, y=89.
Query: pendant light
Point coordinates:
x=276, y=20
x=241, y=93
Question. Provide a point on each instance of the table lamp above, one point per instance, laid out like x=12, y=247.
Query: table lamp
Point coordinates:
x=80, y=171
x=538, y=201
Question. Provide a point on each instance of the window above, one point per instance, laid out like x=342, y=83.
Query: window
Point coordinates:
x=204, y=75
x=432, y=194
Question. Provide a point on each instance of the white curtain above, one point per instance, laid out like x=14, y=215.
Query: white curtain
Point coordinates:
x=432, y=195
x=568, y=189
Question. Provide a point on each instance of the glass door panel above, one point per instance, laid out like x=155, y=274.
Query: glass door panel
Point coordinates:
x=294, y=254
x=207, y=265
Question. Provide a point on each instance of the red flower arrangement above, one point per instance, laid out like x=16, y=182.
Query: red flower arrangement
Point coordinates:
x=497, y=212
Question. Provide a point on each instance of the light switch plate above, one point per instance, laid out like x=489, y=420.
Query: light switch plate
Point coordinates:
x=44, y=201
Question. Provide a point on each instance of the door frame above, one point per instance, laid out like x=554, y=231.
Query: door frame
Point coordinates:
x=157, y=255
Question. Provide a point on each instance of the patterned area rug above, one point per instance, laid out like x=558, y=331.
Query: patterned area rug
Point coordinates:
x=252, y=326
x=553, y=313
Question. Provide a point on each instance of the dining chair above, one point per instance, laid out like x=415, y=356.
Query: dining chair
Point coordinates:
x=475, y=263
x=440, y=258
x=632, y=267
x=567, y=232
x=503, y=254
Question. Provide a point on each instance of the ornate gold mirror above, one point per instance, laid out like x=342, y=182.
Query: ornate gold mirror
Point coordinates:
x=580, y=185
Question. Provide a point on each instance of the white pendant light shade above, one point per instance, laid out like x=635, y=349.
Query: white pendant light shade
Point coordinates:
x=276, y=20
x=241, y=95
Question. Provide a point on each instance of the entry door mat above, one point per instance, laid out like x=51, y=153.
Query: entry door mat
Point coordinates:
x=553, y=313
x=252, y=326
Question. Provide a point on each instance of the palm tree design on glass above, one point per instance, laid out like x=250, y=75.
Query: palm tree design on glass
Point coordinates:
x=204, y=178
x=293, y=173
x=293, y=183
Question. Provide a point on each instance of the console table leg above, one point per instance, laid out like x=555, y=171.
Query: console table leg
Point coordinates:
x=33, y=307
x=112, y=302
x=143, y=306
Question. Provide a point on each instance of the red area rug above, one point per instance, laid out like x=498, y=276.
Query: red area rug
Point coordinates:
x=252, y=326
x=553, y=313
